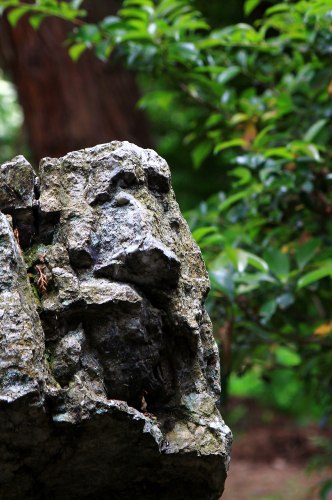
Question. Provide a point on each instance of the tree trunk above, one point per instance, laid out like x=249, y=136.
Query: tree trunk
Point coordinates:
x=69, y=105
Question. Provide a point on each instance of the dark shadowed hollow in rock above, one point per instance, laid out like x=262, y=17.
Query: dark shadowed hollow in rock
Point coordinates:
x=109, y=373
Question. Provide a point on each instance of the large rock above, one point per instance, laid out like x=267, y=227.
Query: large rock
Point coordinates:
x=109, y=374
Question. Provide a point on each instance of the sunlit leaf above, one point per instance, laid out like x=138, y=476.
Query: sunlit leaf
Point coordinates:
x=15, y=14
x=314, y=276
x=243, y=174
x=314, y=130
x=251, y=5
x=229, y=144
x=228, y=74
x=287, y=356
x=241, y=258
x=75, y=51
x=36, y=20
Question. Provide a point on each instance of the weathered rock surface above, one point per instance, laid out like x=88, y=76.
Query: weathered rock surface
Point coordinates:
x=109, y=374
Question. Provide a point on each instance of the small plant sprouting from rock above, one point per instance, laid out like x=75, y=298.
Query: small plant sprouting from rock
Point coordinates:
x=37, y=270
x=42, y=282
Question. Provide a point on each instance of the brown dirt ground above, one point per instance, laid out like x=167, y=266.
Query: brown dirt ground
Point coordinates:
x=277, y=481
x=270, y=459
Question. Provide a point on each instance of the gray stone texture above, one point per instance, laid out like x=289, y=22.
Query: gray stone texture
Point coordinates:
x=109, y=373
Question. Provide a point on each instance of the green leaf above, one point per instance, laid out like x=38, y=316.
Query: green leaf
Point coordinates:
x=287, y=357
x=301, y=148
x=239, y=118
x=241, y=258
x=68, y=12
x=76, y=50
x=238, y=258
x=209, y=69
x=172, y=9
x=141, y=3
x=243, y=174
x=89, y=33
x=184, y=52
x=280, y=152
x=314, y=130
x=199, y=233
x=222, y=279
x=133, y=13
x=257, y=262
x=314, y=276
x=267, y=310
x=247, y=282
x=313, y=152
x=229, y=144
x=110, y=23
x=15, y=14
x=262, y=136
x=135, y=36
x=250, y=5
x=234, y=199
x=212, y=240
x=201, y=152
x=281, y=7
x=228, y=74
x=35, y=21
x=278, y=263
x=186, y=23
x=304, y=253
x=103, y=50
